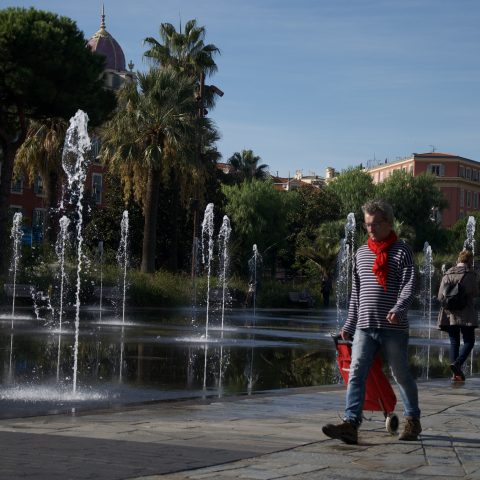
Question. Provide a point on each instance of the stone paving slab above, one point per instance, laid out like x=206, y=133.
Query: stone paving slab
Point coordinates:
x=269, y=436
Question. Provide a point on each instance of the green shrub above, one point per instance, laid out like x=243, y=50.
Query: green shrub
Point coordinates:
x=161, y=289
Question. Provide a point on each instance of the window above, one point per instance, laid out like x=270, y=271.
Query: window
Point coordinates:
x=462, y=197
x=38, y=186
x=475, y=200
x=435, y=169
x=475, y=175
x=38, y=217
x=469, y=199
x=116, y=81
x=13, y=209
x=96, y=145
x=468, y=173
x=17, y=185
x=461, y=171
x=38, y=224
x=97, y=184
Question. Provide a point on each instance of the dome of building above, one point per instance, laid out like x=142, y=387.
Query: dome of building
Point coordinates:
x=104, y=44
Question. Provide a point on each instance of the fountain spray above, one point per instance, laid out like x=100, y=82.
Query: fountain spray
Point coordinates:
x=470, y=244
x=16, y=236
x=344, y=269
x=60, y=251
x=122, y=258
x=223, y=240
x=207, y=254
x=427, y=270
x=470, y=240
x=74, y=160
x=254, y=264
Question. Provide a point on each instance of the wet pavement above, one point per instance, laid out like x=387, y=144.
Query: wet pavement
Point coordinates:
x=264, y=436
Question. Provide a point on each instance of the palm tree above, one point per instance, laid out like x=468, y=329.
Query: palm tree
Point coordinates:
x=41, y=154
x=153, y=128
x=186, y=52
x=245, y=166
x=321, y=250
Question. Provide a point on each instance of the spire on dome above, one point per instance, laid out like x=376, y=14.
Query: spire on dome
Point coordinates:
x=104, y=44
x=102, y=23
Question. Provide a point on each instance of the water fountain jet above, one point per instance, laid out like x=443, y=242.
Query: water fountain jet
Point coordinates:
x=16, y=236
x=207, y=254
x=254, y=264
x=122, y=258
x=75, y=162
x=426, y=270
x=344, y=270
x=470, y=244
x=60, y=247
x=223, y=240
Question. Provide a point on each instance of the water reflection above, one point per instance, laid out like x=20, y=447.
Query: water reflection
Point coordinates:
x=156, y=355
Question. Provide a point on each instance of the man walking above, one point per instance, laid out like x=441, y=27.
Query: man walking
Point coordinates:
x=382, y=291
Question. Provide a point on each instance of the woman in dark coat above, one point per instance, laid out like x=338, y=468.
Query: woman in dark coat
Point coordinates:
x=462, y=321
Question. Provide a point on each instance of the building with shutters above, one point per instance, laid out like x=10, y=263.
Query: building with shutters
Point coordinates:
x=458, y=178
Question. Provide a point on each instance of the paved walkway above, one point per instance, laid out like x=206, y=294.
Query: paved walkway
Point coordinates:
x=270, y=436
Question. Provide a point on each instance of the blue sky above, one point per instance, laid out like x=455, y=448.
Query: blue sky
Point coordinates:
x=316, y=83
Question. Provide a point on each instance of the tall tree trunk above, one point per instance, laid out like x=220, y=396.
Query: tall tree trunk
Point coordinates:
x=150, y=225
x=174, y=233
x=173, y=254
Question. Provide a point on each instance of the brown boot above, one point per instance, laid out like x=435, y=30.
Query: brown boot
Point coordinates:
x=347, y=432
x=411, y=430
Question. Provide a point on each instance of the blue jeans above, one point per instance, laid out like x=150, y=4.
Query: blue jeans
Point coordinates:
x=457, y=355
x=394, y=347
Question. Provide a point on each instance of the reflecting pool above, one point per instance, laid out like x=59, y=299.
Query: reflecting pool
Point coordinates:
x=161, y=355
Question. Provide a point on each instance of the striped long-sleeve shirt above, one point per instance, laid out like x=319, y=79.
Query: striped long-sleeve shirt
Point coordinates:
x=370, y=303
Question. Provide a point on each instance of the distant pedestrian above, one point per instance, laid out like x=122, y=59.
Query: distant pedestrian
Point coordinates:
x=251, y=293
x=326, y=289
x=463, y=320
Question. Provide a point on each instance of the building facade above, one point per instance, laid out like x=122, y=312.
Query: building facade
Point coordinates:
x=458, y=178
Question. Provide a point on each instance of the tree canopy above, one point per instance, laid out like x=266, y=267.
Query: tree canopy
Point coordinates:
x=246, y=166
x=413, y=199
x=185, y=51
x=258, y=214
x=46, y=71
x=152, y=134
x=353, y=187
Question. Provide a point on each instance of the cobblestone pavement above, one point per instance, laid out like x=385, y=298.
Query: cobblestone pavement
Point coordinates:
x=261, y=437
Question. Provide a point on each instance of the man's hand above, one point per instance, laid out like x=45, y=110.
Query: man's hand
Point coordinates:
x=392, y=318
x=345, y=335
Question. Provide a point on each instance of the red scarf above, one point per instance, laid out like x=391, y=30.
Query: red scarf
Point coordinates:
x=380, y=249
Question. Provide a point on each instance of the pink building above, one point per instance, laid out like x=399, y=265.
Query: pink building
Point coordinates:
x=458, y=178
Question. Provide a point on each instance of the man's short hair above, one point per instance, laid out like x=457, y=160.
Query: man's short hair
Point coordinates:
x=465, y=256
x=379, y=206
